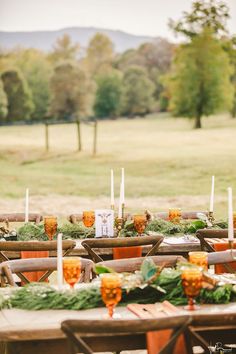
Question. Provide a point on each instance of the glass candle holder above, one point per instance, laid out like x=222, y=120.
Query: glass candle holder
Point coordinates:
x=111, y=291
x=175, y=215
x=88, y=218
x=71, y=270
x=50, y=226
x=199, y=258
x=140, y=223
x=192, y=284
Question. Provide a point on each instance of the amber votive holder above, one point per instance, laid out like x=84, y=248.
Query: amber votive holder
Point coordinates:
x=88, y=218
x=175, y=215
x=199, y=258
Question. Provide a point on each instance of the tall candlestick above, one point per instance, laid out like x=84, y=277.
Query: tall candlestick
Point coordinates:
x=59, y=262
x=112, y=191
x=120, y=204
x=123, y=186
x=230, y=216
x=27, y=205
x=212, y=194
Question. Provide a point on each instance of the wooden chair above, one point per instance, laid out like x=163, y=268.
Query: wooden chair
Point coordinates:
x=88, y=336
x=20, y=217
x=212, y=328
x=184, y=214
x=91, y=244
x=19, y=266
x=222, y=257
x=19, y=246
x=207, y=240
x=133, y=264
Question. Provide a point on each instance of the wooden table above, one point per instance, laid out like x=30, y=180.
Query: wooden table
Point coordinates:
x=27, y=332
x=165, y=248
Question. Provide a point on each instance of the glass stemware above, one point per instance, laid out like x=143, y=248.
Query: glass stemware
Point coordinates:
x=175, y=215
x=88, y=218
x=192, y=284
x=111, y=291
x=199, y=258
x=71, y=270
x=50, y=226
x=140, y=223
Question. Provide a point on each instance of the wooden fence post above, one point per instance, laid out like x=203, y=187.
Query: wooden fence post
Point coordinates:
x=79, y=135
x=95, y=138
x=46, y=137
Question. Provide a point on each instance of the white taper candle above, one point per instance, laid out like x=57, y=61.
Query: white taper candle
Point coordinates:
x=59, y=262
x=120, y=203
x=212, y=194
x=27, y=205
x=230, y=215
x=112, y=190
x=123, y=186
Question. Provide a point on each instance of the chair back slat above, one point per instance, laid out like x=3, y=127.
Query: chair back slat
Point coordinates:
x=99, y=243
x=20, y=217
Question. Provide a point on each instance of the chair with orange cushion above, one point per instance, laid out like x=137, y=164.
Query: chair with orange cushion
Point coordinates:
x=33, y=249
x=123, y=243
x=45, y=265
x=215, y=240
x=89, y=336
x=187, y=215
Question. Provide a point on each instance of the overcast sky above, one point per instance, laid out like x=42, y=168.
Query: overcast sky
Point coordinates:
x=148, y=17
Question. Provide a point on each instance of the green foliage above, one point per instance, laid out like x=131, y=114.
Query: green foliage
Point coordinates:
x=20, y=104
x=108, y=95
x=71, y=92
x=64, y=50
x=3, y=102
x=100, y=55
x=205, y=14
x=138, y=92
x=37, y=71
x=200, y=82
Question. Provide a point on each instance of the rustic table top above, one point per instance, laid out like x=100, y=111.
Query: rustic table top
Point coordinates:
x=22, y=325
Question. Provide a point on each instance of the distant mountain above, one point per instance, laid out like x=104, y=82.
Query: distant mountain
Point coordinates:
x=44, y=40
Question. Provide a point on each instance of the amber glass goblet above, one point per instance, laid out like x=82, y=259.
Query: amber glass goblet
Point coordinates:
x=50, y=226
x=88, y=218
x=199, y=258
x=192, y=284
x=140, y=223
x=111, y=291
x=175, y=215
x=71, y=270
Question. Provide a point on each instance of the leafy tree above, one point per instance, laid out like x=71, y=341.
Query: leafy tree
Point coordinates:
x=204, y=14
x=108, y=95
x=229, y=44
x=20, y=104
x=138, y=91
x=200, y=83
x=37, y=71
x=100, y=54
x=71, y=92
x=64, y=50
x=3, y=102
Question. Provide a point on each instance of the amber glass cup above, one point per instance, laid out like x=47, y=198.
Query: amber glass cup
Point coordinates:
x=111, y=291
x=88, y=218
x=175, y=215
x=192, y=284
x=71, y=270
x=140, y=223
x=50, y=226
x=199, y=258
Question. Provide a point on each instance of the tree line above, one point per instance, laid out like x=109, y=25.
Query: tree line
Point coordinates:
x=195, y=78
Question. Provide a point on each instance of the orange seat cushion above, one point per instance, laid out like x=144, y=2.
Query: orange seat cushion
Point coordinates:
x=127, y=252
x=219, y=268
x=34, y=276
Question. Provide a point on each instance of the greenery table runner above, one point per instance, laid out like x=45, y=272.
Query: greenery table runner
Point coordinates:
x=151, y=284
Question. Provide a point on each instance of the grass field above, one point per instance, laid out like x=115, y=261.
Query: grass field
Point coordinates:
x=167, y=163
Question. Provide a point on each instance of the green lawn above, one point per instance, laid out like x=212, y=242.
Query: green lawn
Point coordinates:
x=167, y=163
